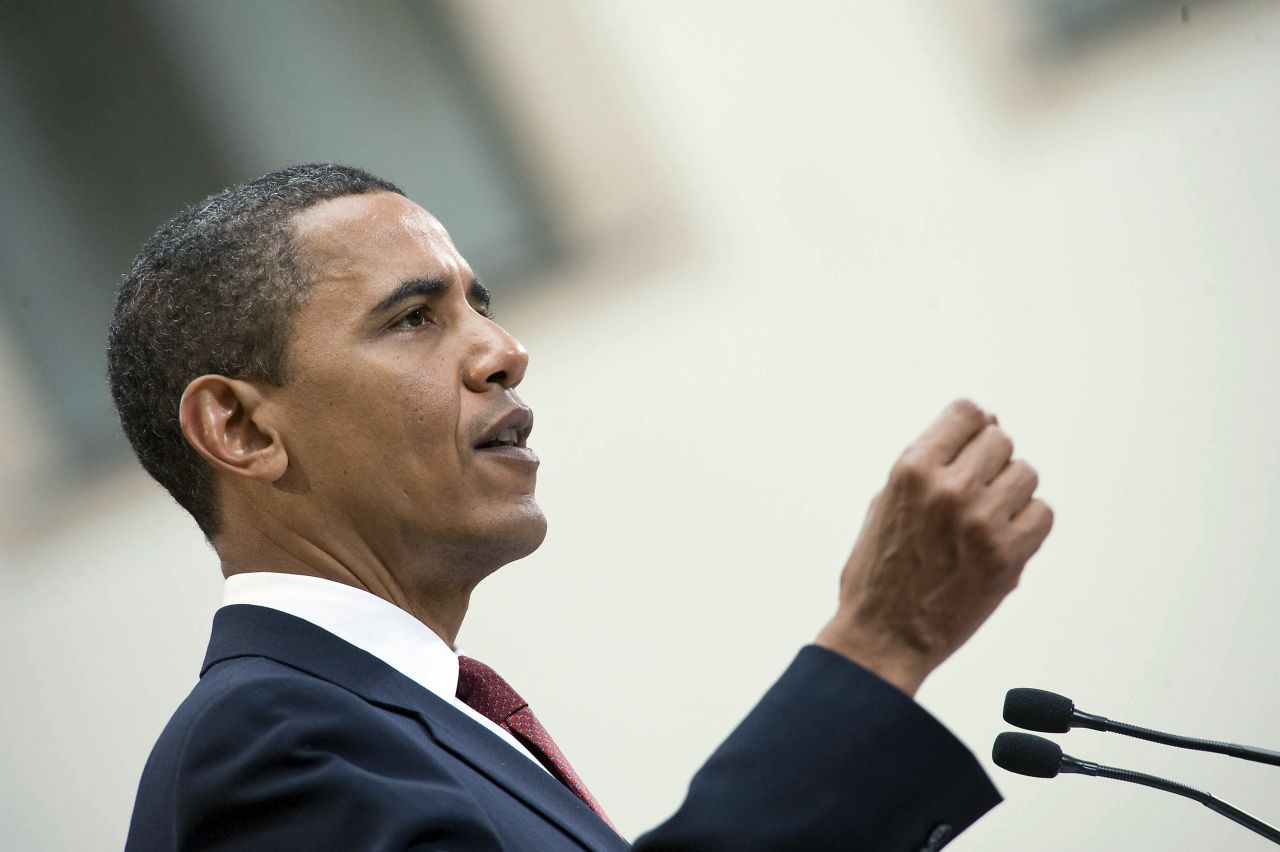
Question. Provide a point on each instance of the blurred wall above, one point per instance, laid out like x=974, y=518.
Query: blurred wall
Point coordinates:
x=811, y=230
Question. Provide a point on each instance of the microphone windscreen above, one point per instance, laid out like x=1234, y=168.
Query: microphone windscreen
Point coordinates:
x=1027, y=754
x=1038, y=710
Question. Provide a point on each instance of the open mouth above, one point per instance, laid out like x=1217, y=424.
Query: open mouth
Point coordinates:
x=508, y=437
x=509, y=434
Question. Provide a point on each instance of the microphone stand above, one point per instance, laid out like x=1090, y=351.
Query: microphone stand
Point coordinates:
x=1101, y=723
x=1210, y=801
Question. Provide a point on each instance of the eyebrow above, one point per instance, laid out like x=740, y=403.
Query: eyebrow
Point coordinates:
x=421, y=287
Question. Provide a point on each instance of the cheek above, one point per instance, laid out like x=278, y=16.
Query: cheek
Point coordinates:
x=392, y=420
x=371, y=420
x=352, y=417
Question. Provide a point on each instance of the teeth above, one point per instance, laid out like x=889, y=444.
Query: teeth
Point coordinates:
x=507, y=436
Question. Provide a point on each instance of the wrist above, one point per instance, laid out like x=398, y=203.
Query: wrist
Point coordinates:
x=878, y=653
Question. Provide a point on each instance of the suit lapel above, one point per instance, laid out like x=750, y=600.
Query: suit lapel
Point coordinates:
x=244, y=630
x=468, y=741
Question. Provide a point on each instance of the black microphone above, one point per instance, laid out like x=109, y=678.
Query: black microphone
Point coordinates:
x=1039, y=710
x=1027, y=754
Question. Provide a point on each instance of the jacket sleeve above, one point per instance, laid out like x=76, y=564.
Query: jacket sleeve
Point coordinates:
x=282, y=762
x=833, y=758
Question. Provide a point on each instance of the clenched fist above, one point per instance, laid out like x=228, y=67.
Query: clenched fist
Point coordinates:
x=942, y=545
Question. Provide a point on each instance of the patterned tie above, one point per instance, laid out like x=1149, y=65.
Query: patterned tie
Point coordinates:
x=483, y=690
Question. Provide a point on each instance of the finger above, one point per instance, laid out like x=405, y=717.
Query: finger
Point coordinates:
x=957, y=424
x=985, y=456
x=1030, y=528
x=1013, y=488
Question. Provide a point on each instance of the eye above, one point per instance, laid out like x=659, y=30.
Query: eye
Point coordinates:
x=415, y=318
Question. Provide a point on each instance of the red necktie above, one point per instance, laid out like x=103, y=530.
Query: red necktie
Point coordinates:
x=483, y=690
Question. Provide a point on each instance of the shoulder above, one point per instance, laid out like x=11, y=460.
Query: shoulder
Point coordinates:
x=261, y=750
x=257, y=708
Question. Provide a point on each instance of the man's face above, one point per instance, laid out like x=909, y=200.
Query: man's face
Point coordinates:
x=400, y=403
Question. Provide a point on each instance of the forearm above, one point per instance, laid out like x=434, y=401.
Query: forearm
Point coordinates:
x=832, y=757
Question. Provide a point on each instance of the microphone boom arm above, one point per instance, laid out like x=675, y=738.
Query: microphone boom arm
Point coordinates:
x=1080, y=719
x=1209, y=800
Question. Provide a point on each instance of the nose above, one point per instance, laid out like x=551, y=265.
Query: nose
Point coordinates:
x=497, y=359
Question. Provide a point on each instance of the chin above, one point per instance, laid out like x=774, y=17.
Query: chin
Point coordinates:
x=527, y=533
x=513, y=534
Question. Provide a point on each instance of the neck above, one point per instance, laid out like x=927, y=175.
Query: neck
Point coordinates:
x=430, y=593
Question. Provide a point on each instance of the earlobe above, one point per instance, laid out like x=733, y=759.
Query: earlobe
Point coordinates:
x=223, y=420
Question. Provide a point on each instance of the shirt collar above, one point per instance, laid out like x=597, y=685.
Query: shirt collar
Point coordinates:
x=358, y=617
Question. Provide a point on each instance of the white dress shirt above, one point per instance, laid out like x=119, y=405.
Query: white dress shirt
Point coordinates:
x=370, y=623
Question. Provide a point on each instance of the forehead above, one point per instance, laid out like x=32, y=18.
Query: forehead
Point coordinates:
x=370, y=243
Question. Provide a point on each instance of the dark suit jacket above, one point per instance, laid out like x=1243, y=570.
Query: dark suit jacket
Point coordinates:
x=295, y=740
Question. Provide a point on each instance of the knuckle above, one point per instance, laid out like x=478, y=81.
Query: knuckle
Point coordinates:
x=947, y=494
x=1007, y=556
x=1019, y=475
x=1047, y=512
x=976, y=527
x=910, y=469
x=1003, y=441
x=966, y=408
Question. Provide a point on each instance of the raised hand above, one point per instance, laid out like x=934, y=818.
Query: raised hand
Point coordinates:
x=941, y=546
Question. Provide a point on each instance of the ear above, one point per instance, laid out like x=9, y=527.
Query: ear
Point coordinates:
x=226, y=421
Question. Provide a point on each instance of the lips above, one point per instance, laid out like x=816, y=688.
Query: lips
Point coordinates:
x=506, y=436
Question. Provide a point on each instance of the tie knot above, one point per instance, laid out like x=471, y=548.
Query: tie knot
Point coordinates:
x=483, y=690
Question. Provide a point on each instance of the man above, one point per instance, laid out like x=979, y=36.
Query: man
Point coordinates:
x=308, y=366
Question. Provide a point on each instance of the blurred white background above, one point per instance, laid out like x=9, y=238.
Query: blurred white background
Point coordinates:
x=788, y=236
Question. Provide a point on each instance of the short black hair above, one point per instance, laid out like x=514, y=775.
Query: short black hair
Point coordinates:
x=212, y=291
